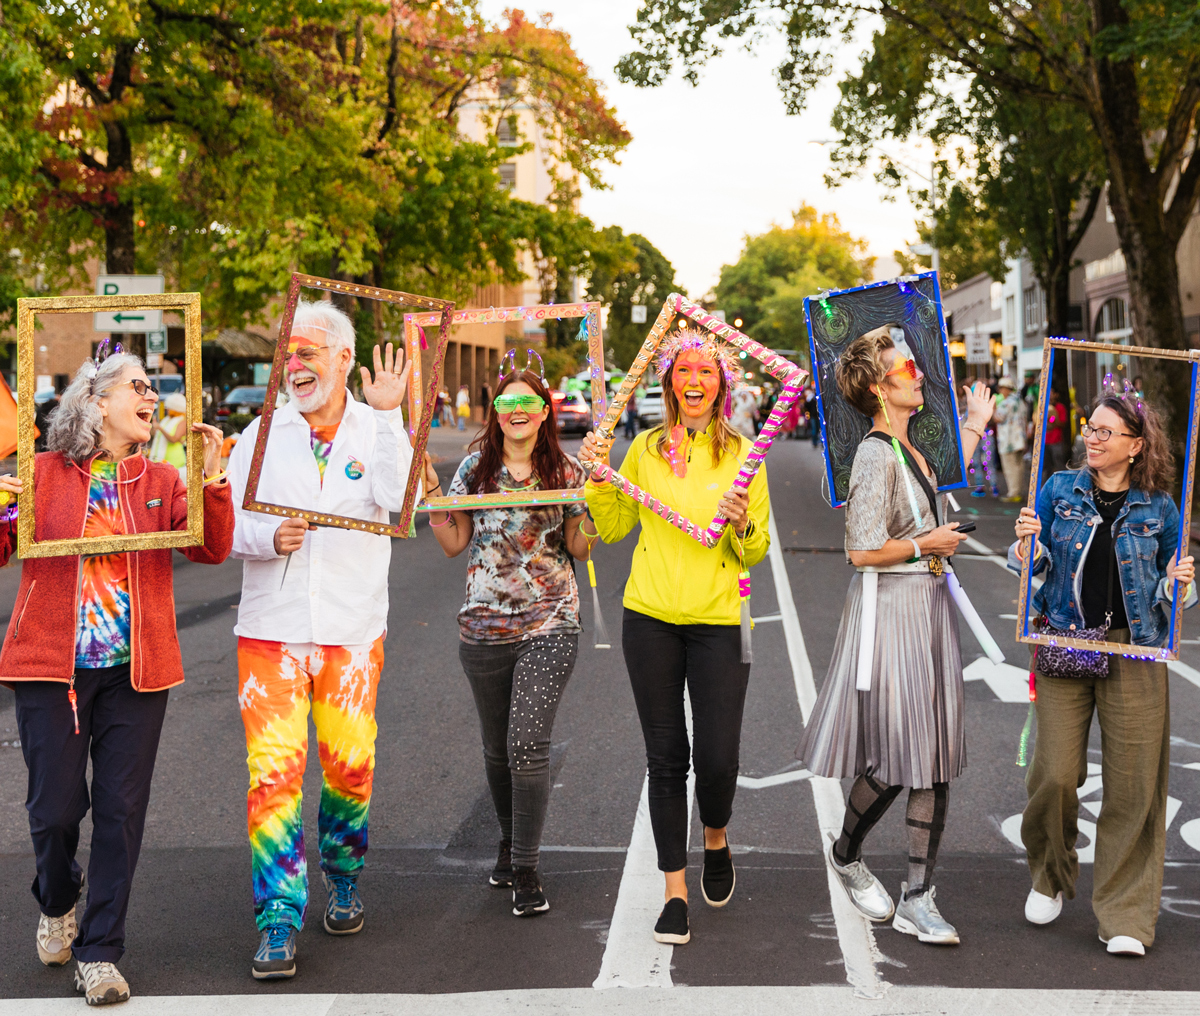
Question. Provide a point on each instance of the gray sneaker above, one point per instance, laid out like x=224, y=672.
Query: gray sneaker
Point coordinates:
x=864, y=890
x=919, y=916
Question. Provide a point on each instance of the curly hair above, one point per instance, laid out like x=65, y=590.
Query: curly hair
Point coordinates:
x=1153, y=468
x=859, y=367
x=77, y=425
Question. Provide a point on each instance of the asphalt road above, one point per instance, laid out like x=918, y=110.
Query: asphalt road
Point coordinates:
x=434, y=925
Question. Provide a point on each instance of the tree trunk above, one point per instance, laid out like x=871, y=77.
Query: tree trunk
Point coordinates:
x=119, y=241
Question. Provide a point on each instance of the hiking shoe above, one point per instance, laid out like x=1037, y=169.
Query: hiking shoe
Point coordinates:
x=717, y=877
x=344, y=911
x=528, y=898
x=1042, y=909
x=919, y=916
x=502, y=874
x=672, y=927
x=865, y=892
x=55, y=934
x=101, y=983
x=276, y=955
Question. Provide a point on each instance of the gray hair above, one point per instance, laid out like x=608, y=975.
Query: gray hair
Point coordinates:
x=323, y=316
x=77, y=425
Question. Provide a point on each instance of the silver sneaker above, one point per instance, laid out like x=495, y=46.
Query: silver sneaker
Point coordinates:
x=101, y=982
x=863, y=889
x=55, y=934
x=919, y=916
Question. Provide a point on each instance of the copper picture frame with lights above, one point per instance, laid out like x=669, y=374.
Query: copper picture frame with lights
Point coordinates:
x=442, y=311
x=589, y=329
x=28, y=309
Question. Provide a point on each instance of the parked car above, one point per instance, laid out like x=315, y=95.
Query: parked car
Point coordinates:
x=243, y=399
x=650, y=407
x=572, y=412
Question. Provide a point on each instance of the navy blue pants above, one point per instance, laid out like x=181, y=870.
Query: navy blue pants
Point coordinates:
x=119, y=728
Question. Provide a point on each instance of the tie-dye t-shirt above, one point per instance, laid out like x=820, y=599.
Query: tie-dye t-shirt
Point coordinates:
x=103, y=638
x=520, y=577
x=322, y=444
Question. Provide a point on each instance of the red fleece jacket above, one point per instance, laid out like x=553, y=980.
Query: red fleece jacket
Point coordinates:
x=40, y=644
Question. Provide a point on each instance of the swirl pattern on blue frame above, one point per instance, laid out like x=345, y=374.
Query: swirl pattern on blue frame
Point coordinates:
x=834, y=321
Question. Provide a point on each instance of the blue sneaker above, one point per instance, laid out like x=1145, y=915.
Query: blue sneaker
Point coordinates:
x=276, y=955
x=344, y=911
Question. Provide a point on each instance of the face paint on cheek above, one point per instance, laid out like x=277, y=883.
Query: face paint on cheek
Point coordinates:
x=695, y=371
x=294, y=363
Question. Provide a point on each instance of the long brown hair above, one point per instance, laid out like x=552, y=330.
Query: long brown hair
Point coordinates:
x=1153, y=468
x=549, y=462
x=724, y=437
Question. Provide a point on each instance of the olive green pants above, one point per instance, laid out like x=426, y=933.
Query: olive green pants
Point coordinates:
x=1135, y=737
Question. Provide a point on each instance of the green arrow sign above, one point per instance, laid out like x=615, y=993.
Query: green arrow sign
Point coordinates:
x=119, y=317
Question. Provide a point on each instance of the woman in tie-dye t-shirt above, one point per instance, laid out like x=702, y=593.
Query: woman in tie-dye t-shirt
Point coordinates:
x=519, y=627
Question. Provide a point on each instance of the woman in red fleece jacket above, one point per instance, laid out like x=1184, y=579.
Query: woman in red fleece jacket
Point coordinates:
x=91, y=651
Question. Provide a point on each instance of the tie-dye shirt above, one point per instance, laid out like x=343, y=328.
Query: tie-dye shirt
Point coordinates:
x=322, y=444
x=103, y=634
x=520, y=576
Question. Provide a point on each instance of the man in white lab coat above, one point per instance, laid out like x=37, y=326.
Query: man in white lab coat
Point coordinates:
x=312, y=627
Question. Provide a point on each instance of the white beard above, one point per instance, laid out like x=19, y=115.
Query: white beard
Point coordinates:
x=317, y=397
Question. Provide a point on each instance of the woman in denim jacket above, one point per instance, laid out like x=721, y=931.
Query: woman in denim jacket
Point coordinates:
x=1111, y=525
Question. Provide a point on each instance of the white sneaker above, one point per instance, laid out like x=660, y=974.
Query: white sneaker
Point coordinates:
x=1124, y=945
x=101, y=982
x=55, y=934
x=1042, y=909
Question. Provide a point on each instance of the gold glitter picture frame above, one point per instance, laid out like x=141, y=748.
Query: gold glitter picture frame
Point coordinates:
x=590, y=315
x=28, y=309
x=442, y=310
x=1025, y=631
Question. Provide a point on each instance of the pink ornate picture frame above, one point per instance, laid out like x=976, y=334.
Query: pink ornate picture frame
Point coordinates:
x=441, y=311
x=413, y=339
x=784, y=371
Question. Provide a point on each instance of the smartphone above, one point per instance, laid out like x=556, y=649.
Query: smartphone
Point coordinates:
x=965, y=527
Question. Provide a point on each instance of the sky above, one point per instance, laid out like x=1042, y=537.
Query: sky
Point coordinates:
x=709, y=165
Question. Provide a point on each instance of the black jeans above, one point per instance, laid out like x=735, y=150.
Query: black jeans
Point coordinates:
x=517, y=688
x=661, y=658
x=119, y=727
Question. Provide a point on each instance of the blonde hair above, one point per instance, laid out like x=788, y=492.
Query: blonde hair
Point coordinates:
x=859, y=367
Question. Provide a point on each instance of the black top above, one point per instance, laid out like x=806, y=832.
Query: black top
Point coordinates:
x=1101, y=557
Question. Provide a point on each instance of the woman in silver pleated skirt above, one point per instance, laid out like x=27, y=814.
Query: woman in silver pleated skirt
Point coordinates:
x=895, y=721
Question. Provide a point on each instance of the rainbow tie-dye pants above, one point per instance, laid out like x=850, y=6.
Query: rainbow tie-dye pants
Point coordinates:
x=275, y=683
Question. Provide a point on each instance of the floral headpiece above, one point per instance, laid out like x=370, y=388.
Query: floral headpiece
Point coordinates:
x=1127, y=392
x=706, y=344
x=508, y=365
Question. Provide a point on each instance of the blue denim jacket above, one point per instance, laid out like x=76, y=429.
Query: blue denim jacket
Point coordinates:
x=1147, y=529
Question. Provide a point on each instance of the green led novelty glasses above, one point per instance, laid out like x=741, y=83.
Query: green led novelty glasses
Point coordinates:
x=511, y=403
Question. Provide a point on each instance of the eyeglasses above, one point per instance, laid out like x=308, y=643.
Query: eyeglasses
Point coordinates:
x=906, y=366
x=511, y=403
x=1102, y=433
x=141, y=387
x=306, y=353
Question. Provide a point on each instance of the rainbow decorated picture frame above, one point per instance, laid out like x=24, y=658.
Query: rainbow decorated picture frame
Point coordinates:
x=442, y=311
x=589, y=330
x=782, y=370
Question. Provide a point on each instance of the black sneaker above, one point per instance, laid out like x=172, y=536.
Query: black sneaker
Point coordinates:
x=718, y=877
x=672, y=927
x=528, y=898
x=502, y=873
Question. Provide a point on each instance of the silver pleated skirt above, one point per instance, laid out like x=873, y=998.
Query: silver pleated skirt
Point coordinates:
x=908, y=729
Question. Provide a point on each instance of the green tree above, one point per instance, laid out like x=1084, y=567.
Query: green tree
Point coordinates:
x=1130, y=66
x=639, y=273
x=766, y=286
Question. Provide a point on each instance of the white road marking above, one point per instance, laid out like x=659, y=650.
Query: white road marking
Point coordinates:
x=758, y=783
x=1008, y=683
x=855, y=937
x=1183, y=670
x=683, y=1001
x=632, y=959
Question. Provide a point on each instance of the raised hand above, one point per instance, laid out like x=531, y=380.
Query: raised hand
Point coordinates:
x=981, y=404
x=391, y=380
x=213, y=439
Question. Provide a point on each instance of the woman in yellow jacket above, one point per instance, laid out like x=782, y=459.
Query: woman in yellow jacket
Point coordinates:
x=682, y=608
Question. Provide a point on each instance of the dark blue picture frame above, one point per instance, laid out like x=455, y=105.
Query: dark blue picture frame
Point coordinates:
x=834, y=320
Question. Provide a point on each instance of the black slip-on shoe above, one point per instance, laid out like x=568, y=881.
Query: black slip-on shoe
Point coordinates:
x=672, y=927
x=718, y=877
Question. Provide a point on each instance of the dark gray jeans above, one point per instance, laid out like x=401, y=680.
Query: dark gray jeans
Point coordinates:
x=517, y=687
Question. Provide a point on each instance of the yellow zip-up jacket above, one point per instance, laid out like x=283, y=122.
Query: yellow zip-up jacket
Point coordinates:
x=674, y=578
